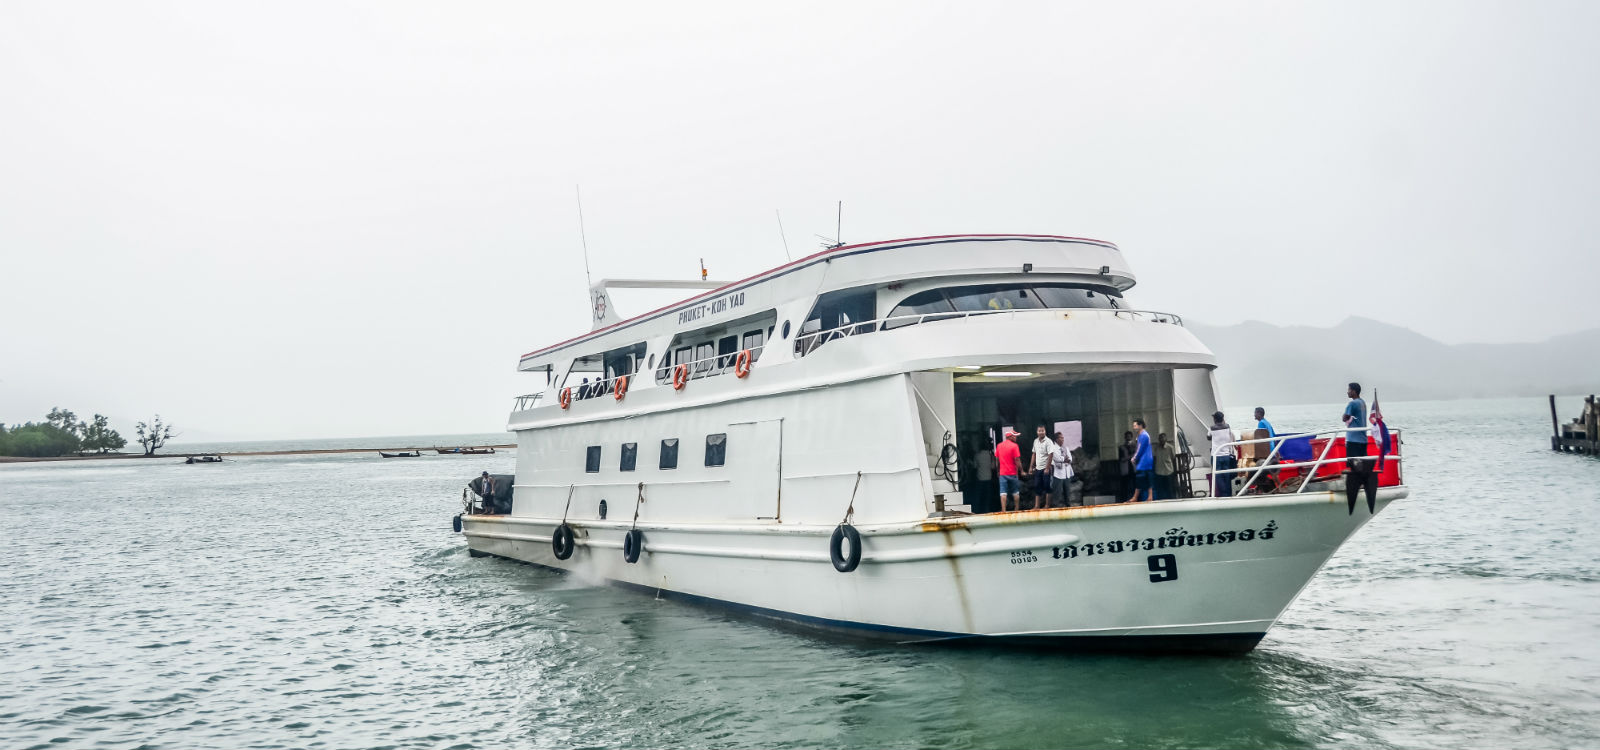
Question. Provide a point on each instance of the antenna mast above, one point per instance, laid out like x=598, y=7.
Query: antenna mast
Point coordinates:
x=838, y=227
x=584, y=235
x=783, y=235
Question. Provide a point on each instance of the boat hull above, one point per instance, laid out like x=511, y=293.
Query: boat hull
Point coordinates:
x=1209, y=575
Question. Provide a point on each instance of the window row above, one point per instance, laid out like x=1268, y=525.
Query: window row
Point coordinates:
x=708, y=358
x=716, y=454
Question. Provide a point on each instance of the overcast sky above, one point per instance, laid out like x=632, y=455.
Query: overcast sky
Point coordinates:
x=321, y=219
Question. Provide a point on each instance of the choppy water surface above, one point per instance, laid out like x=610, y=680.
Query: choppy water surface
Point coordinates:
x=323, y=602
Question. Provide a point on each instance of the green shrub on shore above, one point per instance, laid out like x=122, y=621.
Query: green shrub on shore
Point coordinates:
x=61, y=433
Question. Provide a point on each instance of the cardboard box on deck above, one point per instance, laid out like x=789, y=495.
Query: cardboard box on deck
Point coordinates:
x=1255, y=451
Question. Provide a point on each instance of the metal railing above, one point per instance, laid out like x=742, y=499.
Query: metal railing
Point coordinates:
x=808, y=342
x=1270, y=462
x=705, y=367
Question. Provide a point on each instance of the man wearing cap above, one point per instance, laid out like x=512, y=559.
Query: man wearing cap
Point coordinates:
x=1008, y=454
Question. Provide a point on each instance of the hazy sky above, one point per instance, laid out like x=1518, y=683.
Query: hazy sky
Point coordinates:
x=322, y=219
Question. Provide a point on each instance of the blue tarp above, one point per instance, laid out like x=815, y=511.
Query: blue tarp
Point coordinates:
x=1295, y=448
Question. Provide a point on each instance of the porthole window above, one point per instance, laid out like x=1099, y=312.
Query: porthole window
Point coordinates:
x=716, y=449
x=785, y=330
x=630, y=456
x=669, y=453
x=591, y=463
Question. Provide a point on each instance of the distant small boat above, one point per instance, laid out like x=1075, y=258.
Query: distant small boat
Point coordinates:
x=474, y=451
x=203, y=460
x=444, y=451
x=401, y=454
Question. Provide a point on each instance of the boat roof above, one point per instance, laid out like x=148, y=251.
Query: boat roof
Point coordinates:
x=829, y=254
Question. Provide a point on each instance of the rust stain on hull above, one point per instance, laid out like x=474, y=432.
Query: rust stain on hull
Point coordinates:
x=957, y=578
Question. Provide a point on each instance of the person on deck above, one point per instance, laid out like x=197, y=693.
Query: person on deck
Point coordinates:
x=1263, y=424
x=984, y=465
x=1007, y=455
x=1061, y=473
x=1355, y=451
x=1043, y=471
x=1166, y=469
x=1124, y=463
x=1223, y=455
x=1143, y=465
x=486, y=491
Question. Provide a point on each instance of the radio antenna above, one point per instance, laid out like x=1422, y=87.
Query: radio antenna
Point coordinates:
x=584, y=236
x=838, y=226
x=783, y=235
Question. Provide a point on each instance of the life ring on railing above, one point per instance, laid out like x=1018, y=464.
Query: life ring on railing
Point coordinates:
x=621, y=388
x=680, y=377
x=842, y=562
x=565, y=398
x=632, y=545
x=741, y=366
x=562, y=543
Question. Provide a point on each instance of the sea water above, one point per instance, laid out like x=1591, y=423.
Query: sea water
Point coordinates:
x=322, y=601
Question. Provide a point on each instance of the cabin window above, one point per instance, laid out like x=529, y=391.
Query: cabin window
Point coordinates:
x=989, y=297
x=716, y=449
x=927, y=303
x=753, y=341
x=785, y=329
x=703, y=354
x=727, y=346
x=669, y=453
x=838, y=314
x=592, y=461
x=630, y=456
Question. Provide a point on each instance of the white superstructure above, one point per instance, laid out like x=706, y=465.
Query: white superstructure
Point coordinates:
x=732, y=435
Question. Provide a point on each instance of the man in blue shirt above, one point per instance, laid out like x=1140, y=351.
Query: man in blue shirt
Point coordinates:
x=1144, y=465
x=1263, y=424
x=1355, y=450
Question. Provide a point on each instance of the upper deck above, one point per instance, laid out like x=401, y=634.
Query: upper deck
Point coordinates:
x=896, y=263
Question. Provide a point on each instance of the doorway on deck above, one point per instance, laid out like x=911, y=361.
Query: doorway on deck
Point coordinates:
x=1096, y=404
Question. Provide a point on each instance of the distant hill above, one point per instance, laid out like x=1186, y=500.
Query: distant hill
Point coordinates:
x=1263, y=363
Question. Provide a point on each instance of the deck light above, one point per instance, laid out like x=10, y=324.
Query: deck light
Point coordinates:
x=1027, y=268
x=1105, y=270
x=1006, y=374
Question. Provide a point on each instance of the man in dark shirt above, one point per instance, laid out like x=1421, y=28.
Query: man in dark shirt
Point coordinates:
x=1355, y=450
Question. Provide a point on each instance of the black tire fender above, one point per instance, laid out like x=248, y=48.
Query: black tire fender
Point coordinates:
x=455, y=523
x=561, y=542
x=632, y=545
x=841, y=562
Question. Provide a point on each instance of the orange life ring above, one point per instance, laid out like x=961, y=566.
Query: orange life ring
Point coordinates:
x=621, y=388
x=741, y=366
x=680, y=377
x=565, y=398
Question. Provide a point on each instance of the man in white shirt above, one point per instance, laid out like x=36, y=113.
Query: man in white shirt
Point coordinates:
x=1042, y=471
x=1223, y=455
x=1061, y=472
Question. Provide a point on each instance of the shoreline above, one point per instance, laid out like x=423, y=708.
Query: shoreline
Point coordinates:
x=303, y=452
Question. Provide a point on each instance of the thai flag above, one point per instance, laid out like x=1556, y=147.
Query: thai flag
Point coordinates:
x=1384, y=440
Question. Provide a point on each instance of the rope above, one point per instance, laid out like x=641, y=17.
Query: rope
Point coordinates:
x=570, y=488
x=636, y=506
x=851, y=511
x=948, y=463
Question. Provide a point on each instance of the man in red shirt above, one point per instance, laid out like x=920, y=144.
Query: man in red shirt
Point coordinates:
x=1007, y=455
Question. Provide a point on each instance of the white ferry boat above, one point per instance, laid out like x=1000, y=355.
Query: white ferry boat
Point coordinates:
x=797, y=445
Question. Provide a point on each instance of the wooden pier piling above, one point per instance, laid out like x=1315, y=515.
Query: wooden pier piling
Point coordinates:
x=1581, y=435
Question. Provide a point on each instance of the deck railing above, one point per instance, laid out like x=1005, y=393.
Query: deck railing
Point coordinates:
x=705, y=367
x=1271, y=463
x=808, y=342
